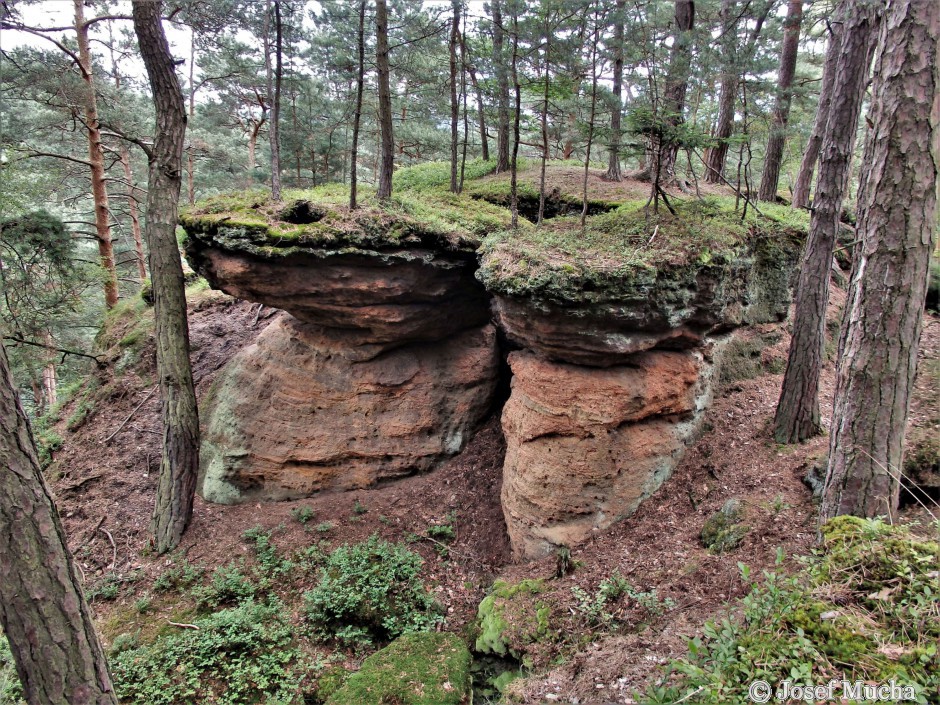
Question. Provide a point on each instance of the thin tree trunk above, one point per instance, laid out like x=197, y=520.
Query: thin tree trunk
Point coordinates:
x=180, y=463
x=387, y=138
x=517, y=89
x=43, y=612
x=96, y=158
x=804, y=179
x=797, y=416
x=463, y=94
x=716, y=157
x=135, y=218
x=884, y=312
x=773, y=157
x=590, y=140
x=677, y=84
x=357, y=116
x=544, y=121
x=190, y=159
x=484, y=140
x=274, y=129
x=613, y=165
x=454, y=104
x=502, y=84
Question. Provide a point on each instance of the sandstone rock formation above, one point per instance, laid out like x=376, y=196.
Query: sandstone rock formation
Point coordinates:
x=307, y=409
x=586, y=445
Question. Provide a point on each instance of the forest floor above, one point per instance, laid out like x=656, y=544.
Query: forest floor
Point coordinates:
x=104, y=478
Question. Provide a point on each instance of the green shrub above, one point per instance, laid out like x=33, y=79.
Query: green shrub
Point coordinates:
x=238, y=656
x=180, y=576
x=865, y=608
x=370, y=591
x=11, y=692
x=302, y=514
x=229, y=586
x=270, y=564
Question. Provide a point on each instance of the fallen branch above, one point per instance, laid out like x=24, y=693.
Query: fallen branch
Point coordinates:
x=182, y=626
x=130, y=415
x=113, y=548
x=76, y=485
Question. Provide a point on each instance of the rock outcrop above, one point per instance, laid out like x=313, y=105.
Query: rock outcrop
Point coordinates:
x=306, y=409
x=384, y=368
x=584, y=446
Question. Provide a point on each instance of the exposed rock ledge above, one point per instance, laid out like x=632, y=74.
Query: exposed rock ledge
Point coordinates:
x=307, y=409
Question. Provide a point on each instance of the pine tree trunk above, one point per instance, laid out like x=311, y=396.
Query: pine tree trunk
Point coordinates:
x=804, y=178
x=180, y=463
x=135, y=218
x=797, y=416
x=454, y=104
x=593, y=115
x=274, y=129
x=502, y=83
x=357, y=116
x=716, y=157
x=613, y=165
x=884, y=311
x=99, y=190
x=677, y=84
x=484, y=140
x=190, y=160
x=58, y=656
x=516, y=125
x=544, y=121
x=387, y=138
x=773, y=158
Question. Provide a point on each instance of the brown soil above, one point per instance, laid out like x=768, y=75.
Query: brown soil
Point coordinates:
x=104, y=490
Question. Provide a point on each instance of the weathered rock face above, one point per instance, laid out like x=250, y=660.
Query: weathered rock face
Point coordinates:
x=307, y=409
x=398, y=297
x=674, y=308
x=584, y=446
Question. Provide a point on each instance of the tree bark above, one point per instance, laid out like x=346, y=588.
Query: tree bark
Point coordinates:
x=502, y=84
x=180, y=462
x=593, y=115
x=797, y=416
x=883, y=314
x=544, y=121
x=454, y=104
x=773, y=157
x=357, y=116
x=387, y=138
x=132, y=208
x=58, y=656
x=613, y=165
x=517, y=90
x=677, y=84
x=484, y=140
x=804, y=178
x=99, y=190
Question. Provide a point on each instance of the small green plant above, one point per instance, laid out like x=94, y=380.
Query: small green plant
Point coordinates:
x=325, y=527
x=229, y=586
x=302, y=514
x=106, y=589
x=239, y=656
x=593, y=606
x=124, y=642
x=180, y=576
x=725, y=529
x=11, y=691
x=359, y=508
x=370, y=591
x=143, y=605
x=270, y=564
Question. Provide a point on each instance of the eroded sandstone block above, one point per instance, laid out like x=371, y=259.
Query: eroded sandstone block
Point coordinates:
x=307, y=409
x=584, y=446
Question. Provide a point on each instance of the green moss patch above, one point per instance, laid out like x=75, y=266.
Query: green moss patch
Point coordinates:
x=724, y=530
x=318, y=221
x=511, y=618
x=415, y=669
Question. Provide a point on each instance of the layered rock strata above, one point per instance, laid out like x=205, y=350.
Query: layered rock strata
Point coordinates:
x=306, y=409
x=384, y=367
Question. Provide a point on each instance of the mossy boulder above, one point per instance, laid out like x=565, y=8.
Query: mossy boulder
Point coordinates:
x=512, y=618
x=415, y=669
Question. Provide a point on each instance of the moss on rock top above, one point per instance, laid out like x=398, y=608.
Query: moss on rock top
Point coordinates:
x=319, y=221
x=629, y=251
